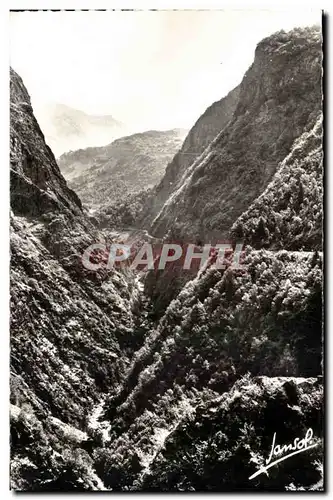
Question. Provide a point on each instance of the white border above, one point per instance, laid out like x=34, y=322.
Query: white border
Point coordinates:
x=167, y=4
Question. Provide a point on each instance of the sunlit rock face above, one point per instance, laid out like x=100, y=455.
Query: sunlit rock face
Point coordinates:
x=206, y=128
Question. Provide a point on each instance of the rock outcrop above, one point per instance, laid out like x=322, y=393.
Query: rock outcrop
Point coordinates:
x=280, y=98
x=210, y=123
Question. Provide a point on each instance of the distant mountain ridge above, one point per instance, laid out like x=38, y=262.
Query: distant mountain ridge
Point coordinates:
x=68, y=129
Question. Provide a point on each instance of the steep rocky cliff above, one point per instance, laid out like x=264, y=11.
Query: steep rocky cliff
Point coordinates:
x=260, y=180
x=278, y=100
x=34, y=190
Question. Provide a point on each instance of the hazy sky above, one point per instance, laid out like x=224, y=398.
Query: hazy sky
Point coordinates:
x=148, y=69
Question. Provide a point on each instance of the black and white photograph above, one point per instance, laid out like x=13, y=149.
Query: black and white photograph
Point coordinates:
x=166, y=250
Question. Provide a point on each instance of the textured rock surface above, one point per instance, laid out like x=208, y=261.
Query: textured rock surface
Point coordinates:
x=225, y=441
x=210, y=123
x=279, y=98
x=67, y=325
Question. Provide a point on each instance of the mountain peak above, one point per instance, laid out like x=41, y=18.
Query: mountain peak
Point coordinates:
x=278, y=99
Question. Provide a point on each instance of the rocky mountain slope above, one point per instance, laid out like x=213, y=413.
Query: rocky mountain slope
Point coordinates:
x=210, y=123
x=289, y=213
x=262, y=319
x=271, y=145
x=68, y=326
x=278, y=99
x=106, y=175
x=68, y=129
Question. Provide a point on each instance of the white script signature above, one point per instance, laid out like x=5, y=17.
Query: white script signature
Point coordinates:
x=298, y=446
